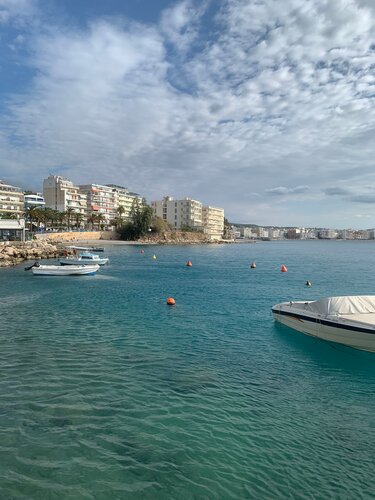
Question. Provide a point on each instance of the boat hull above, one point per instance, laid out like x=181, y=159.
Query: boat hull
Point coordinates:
x=65, y=271
x=79, y=262
x=345, y=333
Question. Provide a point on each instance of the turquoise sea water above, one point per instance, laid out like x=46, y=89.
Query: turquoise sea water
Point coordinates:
x=108, y=393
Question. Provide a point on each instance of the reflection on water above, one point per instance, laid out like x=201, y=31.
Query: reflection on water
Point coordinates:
x=108, y=393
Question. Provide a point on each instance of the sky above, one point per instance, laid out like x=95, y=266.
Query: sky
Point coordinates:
x=262, y=107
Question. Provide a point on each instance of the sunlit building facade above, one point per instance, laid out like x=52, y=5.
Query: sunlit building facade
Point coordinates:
x=179, y=213
x=213, y=222
x=12, y=201
x=60, y=194
x=125, y=199
x=100, y=201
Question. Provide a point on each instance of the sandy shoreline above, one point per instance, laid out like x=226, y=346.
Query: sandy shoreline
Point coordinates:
x=102, y=243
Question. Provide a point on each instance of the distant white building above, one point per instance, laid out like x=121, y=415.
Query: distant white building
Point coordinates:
x=34, y=200
x=60, y=194
x=100, y=200
x=328, y=234
x=125, y=199
x=213, y=222
x=11, y=200
x=179, y=213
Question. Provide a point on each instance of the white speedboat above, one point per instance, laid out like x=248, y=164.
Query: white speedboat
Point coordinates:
x=64, y=271
x=84, y=258
x=346, y=320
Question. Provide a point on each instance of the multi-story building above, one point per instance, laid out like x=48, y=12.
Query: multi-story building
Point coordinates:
x=327, y=234
x=293, y=233
x=213, y=222
x=34, y=200
x=60, y=194
x=100, y=201
x=11, y=201
x=125, y=199
x=179, y=213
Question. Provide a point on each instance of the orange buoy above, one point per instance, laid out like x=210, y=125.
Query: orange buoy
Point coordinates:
x=154, y=257
x=171, y=301
x=284, y=269
x=253, y=265
x=189, y=263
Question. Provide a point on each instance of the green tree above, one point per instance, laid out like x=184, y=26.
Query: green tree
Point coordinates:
x=78, y=219
x=69, y=213
x=91, y=219
x=227, y=229
x=47, y=216
x=32, y=215
x=120, y=214
x=8, y=215
x=159, y=225
x=139, y=222
x=99, y=220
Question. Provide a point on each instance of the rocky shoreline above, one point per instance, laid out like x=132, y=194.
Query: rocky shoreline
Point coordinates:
x=179, y=238
x=13, y=253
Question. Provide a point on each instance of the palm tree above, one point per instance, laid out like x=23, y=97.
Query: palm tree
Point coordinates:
x=57, y=218
x=120, y=212
x=99, y=219
x=32, y=215
x=78, y=219
x=92, y=219
x=68, y=215
x=45, y=216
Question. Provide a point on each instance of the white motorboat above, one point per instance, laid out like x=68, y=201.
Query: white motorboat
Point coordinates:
x=64, y=271
x=84, y=258
x=346, y=320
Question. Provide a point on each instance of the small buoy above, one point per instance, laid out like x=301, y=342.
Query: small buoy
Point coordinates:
x=142, y=251
x=154, y=257
x=284, y=269
x=189, y=263
x=253, y=265
x=308, y=283
x=171, y=301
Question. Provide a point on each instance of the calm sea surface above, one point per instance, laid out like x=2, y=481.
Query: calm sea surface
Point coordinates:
x=108, y=393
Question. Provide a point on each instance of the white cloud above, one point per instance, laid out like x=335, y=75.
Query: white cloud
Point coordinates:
x=179, y=24
x=283, y=191
x=17, y=11
x=279, y=94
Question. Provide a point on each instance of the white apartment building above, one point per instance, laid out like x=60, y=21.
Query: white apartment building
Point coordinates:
x=11, y=200
x=60, y=194
x=124, y=198
x=248, y=232
x=328, y=234
x=213, y=222
x=34, y=200
x=100, y=200
x=179, y=213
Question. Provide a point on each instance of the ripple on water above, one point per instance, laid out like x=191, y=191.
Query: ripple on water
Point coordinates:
x=107, y=393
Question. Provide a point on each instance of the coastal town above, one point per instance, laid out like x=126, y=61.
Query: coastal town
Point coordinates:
x=89, y=206
x=248, y=233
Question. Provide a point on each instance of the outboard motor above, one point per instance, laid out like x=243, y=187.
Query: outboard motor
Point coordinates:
x=36, y=264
